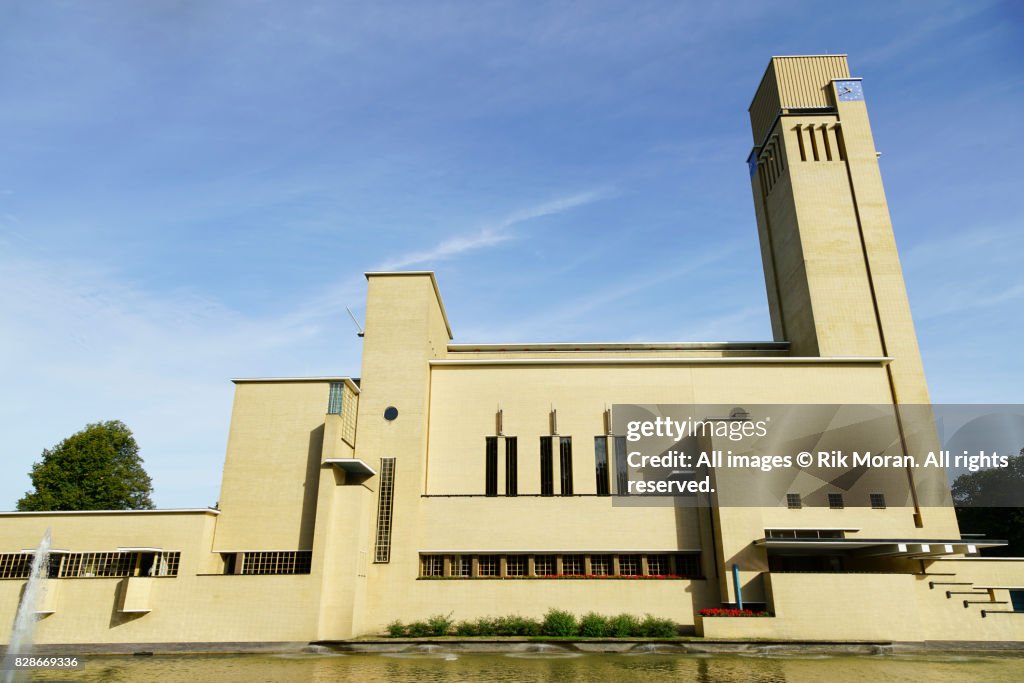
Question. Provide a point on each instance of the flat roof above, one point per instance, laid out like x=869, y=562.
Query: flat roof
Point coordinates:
x=165, y=511
x=893, y=547
x=989, y=543
x=624, y=346
x=670, y=360
x=284, y=380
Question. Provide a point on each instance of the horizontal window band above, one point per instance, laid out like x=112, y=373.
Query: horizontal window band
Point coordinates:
x=687, y=551
x=564, y=577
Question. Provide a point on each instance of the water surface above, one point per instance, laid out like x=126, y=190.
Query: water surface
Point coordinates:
x=427, y=667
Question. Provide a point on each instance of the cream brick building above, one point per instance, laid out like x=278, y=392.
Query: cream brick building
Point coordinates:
x=479, y=479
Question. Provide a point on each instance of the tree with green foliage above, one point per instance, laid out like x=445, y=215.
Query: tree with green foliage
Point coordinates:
x=995, y=487
x=98, y=468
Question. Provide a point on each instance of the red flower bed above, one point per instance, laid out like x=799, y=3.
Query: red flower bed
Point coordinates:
x=725, y=612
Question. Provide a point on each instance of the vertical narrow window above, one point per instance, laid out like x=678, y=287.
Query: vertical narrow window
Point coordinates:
x=491, y=458
x=565, y=462
x=334, y=398
x=511, y=466
x=601, y=464
x=547, y=487
x=814, y=142
x=800, y=142
x=382, y=546
x=621, y=467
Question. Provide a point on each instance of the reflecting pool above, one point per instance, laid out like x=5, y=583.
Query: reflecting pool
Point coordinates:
x=654, y=667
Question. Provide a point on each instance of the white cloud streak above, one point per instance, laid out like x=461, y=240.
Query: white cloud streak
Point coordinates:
x=491, y=235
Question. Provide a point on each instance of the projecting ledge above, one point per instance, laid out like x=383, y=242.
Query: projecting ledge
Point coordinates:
x=351, y=466
x=136, y=594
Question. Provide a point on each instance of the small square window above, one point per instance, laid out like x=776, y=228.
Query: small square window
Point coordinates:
x=657, y=565
x=515, y=565
x=433, y=565
x=835, y=501
x=629, y=565
x=488, y=565
x=572, y=565
x=793, y=501
x=688, y=564
x=878, y=501
x=601, y=565
x=544, y=565
x=462, y=565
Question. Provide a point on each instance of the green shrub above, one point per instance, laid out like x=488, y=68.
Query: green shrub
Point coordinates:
x=556, y=623
x=654, y=627
x=594, y=626
x=466, y=628
x=559, y=623
x=418, y=629
x=440, y=624
x=486, y=626
x=515, y=625
x=624, y=626
x=529, y=627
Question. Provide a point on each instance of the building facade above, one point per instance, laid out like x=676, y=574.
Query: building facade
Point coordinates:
x=482, y=479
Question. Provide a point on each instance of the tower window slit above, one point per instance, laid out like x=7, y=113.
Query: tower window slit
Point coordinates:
x=565, y=462
x=491, y=466
x=511, y=466
x=547, y=487
x=601, y=464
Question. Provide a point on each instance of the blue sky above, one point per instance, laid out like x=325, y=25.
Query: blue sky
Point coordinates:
x=191, y=191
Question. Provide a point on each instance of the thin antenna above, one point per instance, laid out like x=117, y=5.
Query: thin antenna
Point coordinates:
x=355, y=322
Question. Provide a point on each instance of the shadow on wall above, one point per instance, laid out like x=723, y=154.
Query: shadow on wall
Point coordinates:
x=307, y=520
x=117, y=617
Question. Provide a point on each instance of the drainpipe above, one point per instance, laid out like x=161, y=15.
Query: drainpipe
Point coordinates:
x=736, y=585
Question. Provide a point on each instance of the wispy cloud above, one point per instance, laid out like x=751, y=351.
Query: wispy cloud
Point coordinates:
x=923, y=31
x=574, y=317
x=491, y=235
x=986, y=255
x=86, y=345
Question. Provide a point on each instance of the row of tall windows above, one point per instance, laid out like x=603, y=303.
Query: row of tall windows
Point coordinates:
x=504, y=452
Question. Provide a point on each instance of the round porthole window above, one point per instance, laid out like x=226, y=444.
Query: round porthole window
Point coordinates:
x=390, y=413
